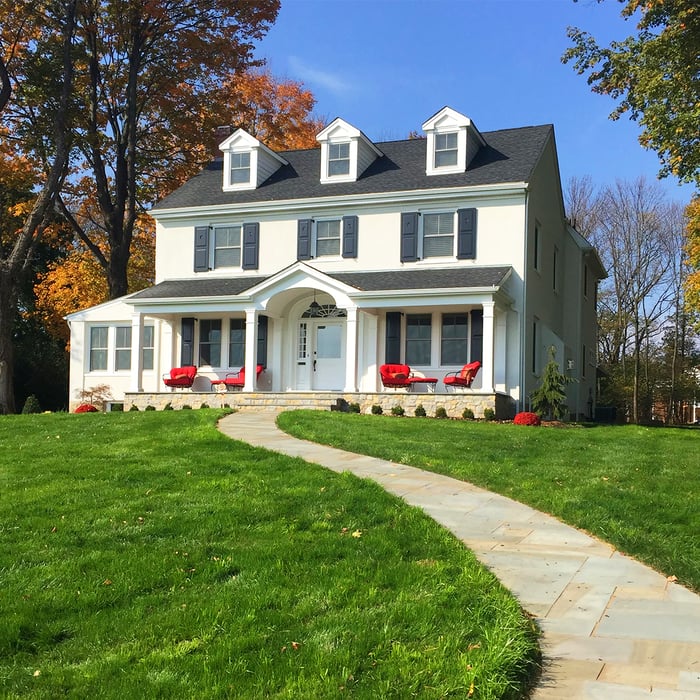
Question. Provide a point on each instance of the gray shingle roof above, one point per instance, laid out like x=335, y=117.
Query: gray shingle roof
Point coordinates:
x=206, y=287
x=395, y=280
x=509, y=156
x=452, y=278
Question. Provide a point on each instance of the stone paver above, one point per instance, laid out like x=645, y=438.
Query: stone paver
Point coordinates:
x=613, y=629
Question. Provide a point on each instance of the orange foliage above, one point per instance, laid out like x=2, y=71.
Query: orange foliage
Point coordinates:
x=278, y=112
x=78, y=281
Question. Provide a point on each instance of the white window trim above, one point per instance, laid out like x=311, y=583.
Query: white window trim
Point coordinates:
x=212, y=246
x=236, y=186
x=314, y=238
x=351, y=175
x=461, y=164
x=421, y=234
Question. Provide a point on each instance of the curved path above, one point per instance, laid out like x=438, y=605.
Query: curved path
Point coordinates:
x=613, y=629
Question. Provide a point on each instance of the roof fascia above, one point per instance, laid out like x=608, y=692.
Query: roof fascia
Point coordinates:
x=367, y=199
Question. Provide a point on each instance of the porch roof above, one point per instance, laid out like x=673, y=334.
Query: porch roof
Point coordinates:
x=389, y=280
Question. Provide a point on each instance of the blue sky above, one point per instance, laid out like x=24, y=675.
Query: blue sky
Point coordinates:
x=385, y=66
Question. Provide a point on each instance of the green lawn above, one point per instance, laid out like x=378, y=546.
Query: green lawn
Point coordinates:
x=636, y=488
x=145, y=555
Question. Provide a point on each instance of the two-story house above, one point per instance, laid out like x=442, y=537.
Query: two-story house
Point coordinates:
x=324, y=264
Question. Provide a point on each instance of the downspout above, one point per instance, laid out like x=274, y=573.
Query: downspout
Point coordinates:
x=524, y=322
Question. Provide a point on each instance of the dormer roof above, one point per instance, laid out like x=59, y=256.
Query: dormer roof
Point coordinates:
x=247, y=162
x=345, y=152
x=452, y=142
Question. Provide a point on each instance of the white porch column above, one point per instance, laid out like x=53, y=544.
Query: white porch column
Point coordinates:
x=487, y=361
x=351, y=350
x=251, y=349
x=136, y=383
x=500, y=351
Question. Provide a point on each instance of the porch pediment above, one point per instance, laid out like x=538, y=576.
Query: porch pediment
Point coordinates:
x=300, y=276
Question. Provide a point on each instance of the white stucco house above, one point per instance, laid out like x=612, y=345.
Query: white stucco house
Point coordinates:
x=324, y=264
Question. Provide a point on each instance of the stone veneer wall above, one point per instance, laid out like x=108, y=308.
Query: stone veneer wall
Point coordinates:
x=454, y=404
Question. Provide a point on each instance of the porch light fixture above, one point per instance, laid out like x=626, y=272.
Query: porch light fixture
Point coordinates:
x=315, y=310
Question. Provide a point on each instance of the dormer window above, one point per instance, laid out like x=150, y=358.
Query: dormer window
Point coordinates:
x=338, y=159
x=345, y=152
x=240, y=168
x=247, y=162
x=445, y=150
x=451, y=144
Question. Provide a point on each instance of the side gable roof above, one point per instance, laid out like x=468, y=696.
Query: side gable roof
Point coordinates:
x=510, y=155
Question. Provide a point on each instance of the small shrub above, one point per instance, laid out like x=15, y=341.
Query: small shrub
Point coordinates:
x=527, y=418
x=204, y=405
x=468, y=414
x=150, y=408
x=397, y=410
x=489, y=414
x=168, y=407
x=186, y=407
x=420, y=411
x=95, y=395
x=377, y=410
x=440, y=412
x=354, y=408
x=134, y=407
x=86, y=408
x=31, y=405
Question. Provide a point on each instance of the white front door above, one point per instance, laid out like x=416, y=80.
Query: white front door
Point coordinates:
x=328, y=365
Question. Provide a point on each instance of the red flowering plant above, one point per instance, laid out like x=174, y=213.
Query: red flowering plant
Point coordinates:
x=86, y=408
x=527, y=418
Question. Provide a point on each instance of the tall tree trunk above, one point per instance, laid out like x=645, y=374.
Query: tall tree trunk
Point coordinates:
x=8, y=313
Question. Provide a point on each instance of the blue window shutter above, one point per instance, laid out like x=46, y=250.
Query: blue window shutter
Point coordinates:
x=392, y=340
x=466, y=234
x=201, y=248
x=304, y=239
x=251, y=245
x=409, y=237
x=477, y=336
x=186, y=342
x=349, y=236
x=262, y=340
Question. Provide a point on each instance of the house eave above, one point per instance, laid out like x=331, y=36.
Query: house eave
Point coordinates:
x=329, y=202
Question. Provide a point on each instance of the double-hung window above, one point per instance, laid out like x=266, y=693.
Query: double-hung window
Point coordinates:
x=122, y=348
x=418, y=336
x=455, y=339
x=236, y=343
x=240, y=168
x=445, y=150
x=328, y=237
x=210, y=342
x=98, y=348
x=227, y=246
x=438, y=234
x=338, y=159
x=147, y=347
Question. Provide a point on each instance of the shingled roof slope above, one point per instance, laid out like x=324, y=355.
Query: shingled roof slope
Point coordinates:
x=391, y=280
x=510, y=155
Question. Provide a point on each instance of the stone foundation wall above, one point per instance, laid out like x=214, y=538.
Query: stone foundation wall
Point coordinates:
x=454, y=404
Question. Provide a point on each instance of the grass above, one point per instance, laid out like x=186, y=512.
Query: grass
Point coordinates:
x=146, y=555
x=634, y=487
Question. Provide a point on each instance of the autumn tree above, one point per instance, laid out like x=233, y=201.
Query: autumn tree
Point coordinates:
x=692, y=282
x=39, y=46
x=278, y=112
x=654, y=77
x=146, y=75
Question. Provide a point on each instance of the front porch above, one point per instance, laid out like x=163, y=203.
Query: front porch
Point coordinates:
x=454, y=404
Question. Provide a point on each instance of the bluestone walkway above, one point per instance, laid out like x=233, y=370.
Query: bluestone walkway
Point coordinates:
x=613, y=629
